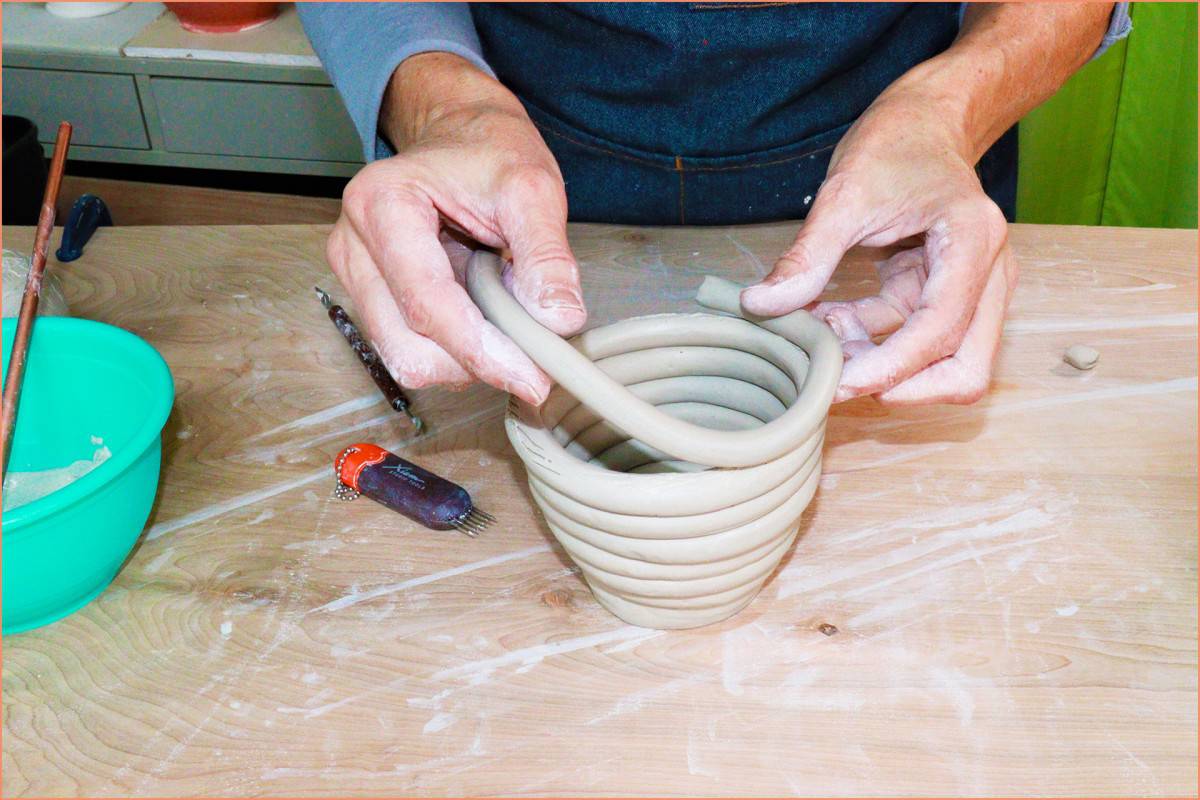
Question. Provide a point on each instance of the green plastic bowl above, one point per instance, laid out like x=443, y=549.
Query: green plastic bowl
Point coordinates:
x=83, y=379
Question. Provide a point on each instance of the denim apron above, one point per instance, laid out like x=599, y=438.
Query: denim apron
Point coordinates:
x=710, y=113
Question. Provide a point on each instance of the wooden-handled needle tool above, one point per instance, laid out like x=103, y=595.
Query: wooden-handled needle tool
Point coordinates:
x=33, y=295
x=370, y=359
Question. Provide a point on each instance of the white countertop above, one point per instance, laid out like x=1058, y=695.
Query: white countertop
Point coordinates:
x=143, y=30
x=280, y=42
x=30, y=26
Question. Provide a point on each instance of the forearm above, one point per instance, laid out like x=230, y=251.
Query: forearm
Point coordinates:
x=428, y=87
x=361, y=45
x=1007, y=59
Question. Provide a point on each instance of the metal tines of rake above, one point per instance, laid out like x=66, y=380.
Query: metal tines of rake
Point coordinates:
x=473, y=522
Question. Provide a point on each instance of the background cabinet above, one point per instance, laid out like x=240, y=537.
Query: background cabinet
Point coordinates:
x=139, y=90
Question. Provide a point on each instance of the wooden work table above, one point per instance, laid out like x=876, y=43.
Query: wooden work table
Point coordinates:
x=1013, y=584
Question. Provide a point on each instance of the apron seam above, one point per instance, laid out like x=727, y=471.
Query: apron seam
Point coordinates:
x=773, y=163
x=682, y=201
x=679, y=166
x=604, y=150
x=723, y=6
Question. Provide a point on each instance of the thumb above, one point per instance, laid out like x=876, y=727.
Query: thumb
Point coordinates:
x=800, y=274
x=544, y=274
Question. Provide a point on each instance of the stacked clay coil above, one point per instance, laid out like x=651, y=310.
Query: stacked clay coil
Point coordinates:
x=676, y=453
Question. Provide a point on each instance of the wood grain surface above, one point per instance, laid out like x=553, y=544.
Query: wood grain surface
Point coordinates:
x=996, y=599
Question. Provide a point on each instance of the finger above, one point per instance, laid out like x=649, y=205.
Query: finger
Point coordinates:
x=845, y=323
x=957, y=248
x=902, y=277
x=965, y=376
x=874, y=315
x=459, y=250
x=545, y=276
x=414, y=361
x=400, y=232
x=856, y=340
x=910, y=260
x=833, y=227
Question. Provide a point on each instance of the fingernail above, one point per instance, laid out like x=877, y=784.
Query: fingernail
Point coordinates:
x=836, y=324
x=763, y=299
x=756, y=290
x=526, y=392
x=775, y=278
x=559, y=297
x=767, y=288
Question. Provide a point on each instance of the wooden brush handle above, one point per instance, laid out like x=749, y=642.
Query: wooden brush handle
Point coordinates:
x=33, y=293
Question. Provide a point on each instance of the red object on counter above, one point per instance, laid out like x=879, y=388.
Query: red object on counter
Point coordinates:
x=355, y=459
x=223, y=17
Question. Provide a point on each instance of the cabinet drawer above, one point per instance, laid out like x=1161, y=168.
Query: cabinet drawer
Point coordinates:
x=266, y=120
x=103, y=108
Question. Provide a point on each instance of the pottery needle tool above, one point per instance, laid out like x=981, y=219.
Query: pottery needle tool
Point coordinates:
x=370, y=359
x=19, y=354
x=386, y=478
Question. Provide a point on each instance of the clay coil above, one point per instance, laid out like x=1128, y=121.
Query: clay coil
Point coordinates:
x=677, y=452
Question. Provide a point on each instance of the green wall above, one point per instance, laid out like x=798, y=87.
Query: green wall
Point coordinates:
x=1117, y=144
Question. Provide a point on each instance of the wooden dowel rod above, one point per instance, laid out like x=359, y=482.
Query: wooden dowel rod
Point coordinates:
x=33, y=295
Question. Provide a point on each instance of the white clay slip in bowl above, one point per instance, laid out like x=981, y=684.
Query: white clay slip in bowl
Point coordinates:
x=675, y=455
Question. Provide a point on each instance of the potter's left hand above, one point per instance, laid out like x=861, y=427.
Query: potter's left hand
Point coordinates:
x=905, y=168
x=897, y=173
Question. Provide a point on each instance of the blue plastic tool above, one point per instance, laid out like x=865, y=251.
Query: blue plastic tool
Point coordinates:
x=88, y=213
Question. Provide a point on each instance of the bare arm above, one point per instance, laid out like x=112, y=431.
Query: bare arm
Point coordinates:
x=1008, y=59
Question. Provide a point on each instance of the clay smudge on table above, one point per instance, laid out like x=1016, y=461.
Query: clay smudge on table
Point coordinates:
x=1150, y=287
x=316, y=418
x=271, y=454
x=480, y=671
x=945, y=531
x=1018, y=326
x=760, y=269
x=234, y=503
x=1171, y=386
x=354, y=598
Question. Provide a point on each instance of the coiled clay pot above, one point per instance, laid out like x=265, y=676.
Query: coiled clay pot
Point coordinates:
x=675, y=455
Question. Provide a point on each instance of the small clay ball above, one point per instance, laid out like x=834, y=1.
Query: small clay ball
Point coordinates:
x=1080, y=356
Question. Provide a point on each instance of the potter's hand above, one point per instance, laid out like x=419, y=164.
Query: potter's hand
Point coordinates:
x=906, y=168
x=470, y=166
x=893, y=176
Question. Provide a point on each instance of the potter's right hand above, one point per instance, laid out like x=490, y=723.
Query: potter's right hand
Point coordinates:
x=469, y=166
